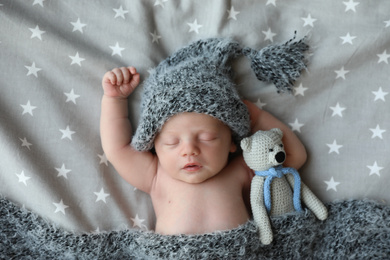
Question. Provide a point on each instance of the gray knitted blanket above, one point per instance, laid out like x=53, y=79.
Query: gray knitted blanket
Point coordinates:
x=353, y=230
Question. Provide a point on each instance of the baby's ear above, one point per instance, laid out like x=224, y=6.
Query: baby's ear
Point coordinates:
x=233, y=147
x=246, y=144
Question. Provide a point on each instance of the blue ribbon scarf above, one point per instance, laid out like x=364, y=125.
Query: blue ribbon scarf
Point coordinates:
x=280, y=171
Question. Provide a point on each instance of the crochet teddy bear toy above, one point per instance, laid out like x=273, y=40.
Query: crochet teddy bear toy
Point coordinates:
x=275, y=190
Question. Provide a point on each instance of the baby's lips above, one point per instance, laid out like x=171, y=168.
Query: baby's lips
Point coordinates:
x=192, y=166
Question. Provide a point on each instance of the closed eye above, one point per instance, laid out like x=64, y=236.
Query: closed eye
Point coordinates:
x=171, y=142
x=281, y=145
x=207, y=137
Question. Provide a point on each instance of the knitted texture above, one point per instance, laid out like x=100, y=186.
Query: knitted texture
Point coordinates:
x=279, y=172
x=354, y=230
x=279, y=64
x=261, y=148
x=311, y=201
x=260, y=214
x=199, y=78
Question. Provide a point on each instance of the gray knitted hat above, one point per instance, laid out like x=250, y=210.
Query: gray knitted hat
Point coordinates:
x=198, y=78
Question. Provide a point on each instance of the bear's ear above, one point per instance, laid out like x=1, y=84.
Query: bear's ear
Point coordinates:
x=246, y=144
x=277, y=131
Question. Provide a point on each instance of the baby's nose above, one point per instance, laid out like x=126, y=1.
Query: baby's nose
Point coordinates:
x=190, y=149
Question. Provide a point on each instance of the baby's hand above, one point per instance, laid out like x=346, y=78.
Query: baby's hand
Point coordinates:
x=120, y=82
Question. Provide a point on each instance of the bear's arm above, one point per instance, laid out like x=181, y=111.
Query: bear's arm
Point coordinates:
x=311, y=201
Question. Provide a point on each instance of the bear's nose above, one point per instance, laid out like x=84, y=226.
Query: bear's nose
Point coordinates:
x=280, y=157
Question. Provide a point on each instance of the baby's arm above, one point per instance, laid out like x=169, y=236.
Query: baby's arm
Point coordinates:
x=262, y=120
x=137, y=168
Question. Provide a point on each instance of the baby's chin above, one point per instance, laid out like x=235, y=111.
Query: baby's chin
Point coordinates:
x=196, y=178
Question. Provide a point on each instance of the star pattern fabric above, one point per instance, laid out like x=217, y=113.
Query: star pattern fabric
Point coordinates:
x=78, y=26
x=308, y=21
x=33, y=70
x=194, y=26
x=51, y=69
x=116, y=50
x=36, y=32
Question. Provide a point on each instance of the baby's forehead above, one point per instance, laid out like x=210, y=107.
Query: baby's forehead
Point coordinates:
x=193, y=120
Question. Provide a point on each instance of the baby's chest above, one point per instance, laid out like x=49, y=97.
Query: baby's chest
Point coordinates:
x=199, y=199
x=199, y=210
x=201, y=195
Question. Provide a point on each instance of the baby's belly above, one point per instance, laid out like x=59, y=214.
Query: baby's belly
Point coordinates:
x=200, y=220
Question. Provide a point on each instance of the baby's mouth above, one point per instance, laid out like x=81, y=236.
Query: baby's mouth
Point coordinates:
x=192, y=167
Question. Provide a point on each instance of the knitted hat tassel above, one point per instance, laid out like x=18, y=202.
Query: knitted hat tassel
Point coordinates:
x=280, y=64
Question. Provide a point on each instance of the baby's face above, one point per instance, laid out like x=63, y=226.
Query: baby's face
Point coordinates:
x=193, y=147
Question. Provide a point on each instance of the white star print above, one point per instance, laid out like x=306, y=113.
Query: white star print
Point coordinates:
x=347, y=39
x=269, y=35
x=155, y=37
x=28, y=108
x=40, y=2
x=23, y=178
x=271, y=2
x=101, y=195
x=296, y=126
x=259, y=104
x=300, y=90
x=71, y=96
x=32, y=70
x=383, y=57
x=374, y=169
x=341, y=73
x=67, y=133
x=25, y=143
x=60, y=207
x=232, y=13
x=350, y=5
x=387, y=23
x=377, y=132
x=76, y=59
x=103, y=159
x=332, y=184
x=116, y=50
x=78, y=26
x=308, y=21
x=120, y=12
x=334, y=147
x=36, y=32
x=380, y=94
x=63, y=171
x=194, y=27
x=160, y=3
x=337, y=110
x=137, y=222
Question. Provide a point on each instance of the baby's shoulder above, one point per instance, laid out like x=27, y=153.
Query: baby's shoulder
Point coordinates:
x=238, y=168
x=237, y=161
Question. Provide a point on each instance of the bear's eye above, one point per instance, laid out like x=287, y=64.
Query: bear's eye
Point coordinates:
x=281, y=145
x=271, y=150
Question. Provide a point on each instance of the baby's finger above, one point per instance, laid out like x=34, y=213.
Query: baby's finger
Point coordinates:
x=126, y=75
x=119, y=76
x=132, y=70
x=135, y=80
x=109, y=78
